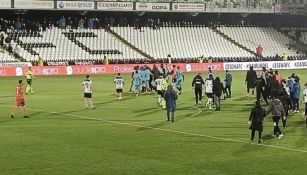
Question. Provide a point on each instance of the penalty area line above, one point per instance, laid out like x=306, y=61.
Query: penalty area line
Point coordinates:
x=170, y=131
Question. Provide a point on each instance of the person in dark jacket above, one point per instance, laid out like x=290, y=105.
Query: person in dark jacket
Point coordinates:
x=218, y=89
x=277, y=109
x=170, y=97
x=286, y=100
x=256, y=121
x=197, y=84
x=250, y=80
x=273, y=86
x=228, y=82
x=260, y=88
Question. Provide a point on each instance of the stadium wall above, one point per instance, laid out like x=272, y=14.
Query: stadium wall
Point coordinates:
x=128, y=68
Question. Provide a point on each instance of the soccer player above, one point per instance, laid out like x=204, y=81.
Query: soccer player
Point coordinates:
x=20, y=101
x=119, y=84
x=197, y=84
x=29, y=76
x=144, y=79
x=209, y=91
x=137, y=81
x=159, y=89
x=88, y=90
x=179, y=79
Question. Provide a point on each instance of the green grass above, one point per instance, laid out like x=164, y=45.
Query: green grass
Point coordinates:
x=132, y=136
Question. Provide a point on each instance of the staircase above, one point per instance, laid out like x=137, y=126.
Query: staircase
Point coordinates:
x=234, y=42
x=123, y=40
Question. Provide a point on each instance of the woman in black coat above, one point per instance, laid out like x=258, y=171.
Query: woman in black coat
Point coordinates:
x=256, y=121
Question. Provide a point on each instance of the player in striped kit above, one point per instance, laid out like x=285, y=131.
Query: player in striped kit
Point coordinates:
x=119, y=85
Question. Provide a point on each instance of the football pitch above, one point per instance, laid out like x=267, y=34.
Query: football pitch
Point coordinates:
x=132, y=136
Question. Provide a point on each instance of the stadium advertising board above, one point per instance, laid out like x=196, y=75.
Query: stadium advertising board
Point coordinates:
x=297, y=64
x=75, y=5
x=4, y=4
x=9, y=64
x=101, y=69
x=110, y=6
x=139, y=6
x=190, y=7
x=33, y=4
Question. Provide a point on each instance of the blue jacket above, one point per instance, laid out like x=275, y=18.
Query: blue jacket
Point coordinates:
x=296, y=90
x=228, y=79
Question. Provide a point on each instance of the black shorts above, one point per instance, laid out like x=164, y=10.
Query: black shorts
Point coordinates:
x=160, y=93
x=119, y=90
x=87, y=95
x=29, y=81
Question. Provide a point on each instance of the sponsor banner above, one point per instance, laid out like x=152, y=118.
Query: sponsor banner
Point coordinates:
x=33, y=4
x=75, y=5
x=57, y=63
x=4, y=4
x=16, y=64
x=297, y=64
x=139, y=6
x=101, y=69
x=115, y=6
x=190, y=7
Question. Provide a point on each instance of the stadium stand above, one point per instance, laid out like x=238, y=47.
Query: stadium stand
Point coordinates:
x=129, y=38
x=270, y=39
x=181, y=42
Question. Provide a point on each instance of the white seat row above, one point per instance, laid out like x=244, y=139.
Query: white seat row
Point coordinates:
x=272, y=41
x=181, y=42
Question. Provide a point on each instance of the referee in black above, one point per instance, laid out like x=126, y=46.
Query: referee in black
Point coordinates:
x=197, y=84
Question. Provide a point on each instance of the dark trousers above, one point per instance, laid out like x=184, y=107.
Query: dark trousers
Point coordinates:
x=217, y=102
x=275, y=124
x=228, y=91
x=253, y=134
x=170, y=116
x=249, y=88
x=296, y=105
x=198, y=94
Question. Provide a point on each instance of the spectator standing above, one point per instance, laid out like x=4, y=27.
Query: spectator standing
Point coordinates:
x=62, y=22
x=259, y=51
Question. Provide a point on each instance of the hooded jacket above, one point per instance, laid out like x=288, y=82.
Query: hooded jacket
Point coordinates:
x=276, y=108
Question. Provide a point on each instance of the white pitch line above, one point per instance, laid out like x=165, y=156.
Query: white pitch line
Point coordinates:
x=172, y=131
x=34, y=126
x=199, y=111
